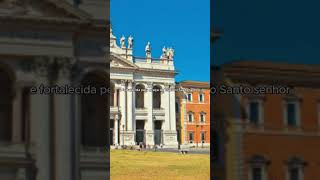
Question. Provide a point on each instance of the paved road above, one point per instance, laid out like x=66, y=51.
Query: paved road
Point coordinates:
x=192, y=150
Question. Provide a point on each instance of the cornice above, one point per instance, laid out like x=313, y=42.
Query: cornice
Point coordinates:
x=154, y=73
x=129, y=64
x=70, y=13
x=56, y=20
x=70, y=9
x=134, y=68
x=158, y=71
x=301, y=77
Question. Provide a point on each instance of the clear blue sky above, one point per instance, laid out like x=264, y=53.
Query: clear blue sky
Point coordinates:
x=274, y=30
x=184, y=25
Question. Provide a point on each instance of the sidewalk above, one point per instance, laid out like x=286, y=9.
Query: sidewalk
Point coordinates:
x=191, y=151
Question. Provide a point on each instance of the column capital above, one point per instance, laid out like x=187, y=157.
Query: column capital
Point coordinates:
x=50, y=67
x=166, y=85
x=130, y=84
x=123, y=82
x=149, y=85
x=38, y=66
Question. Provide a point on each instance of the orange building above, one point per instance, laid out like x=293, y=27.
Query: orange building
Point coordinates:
x=272, y=129
x=193, y=113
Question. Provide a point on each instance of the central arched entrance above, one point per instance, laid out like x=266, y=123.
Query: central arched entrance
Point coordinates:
x=6, y=99
x=94, y=112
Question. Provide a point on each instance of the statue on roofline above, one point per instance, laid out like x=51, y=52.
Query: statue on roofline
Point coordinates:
x=122, y=42
x=148, y=49
x=170, y=53
x=130, y=42
x=167, y=53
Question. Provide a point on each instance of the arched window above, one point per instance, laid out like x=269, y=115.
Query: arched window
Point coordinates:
x=139, y=96
x=156, y=94
x=5, y=106
x=94, y=112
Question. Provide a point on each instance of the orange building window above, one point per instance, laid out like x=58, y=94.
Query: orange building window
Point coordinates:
x=189, y=97
x=201, y=98
x=190, y=117
x=202, y=117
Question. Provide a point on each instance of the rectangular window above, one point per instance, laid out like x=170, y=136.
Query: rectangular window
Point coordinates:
x=202, y=119
x=254, y=112
x=190, y=117
x=191, y=137
x=189, y=97
x=294, y=174
x=256, y=173
x=201, y=98
x=291, y=114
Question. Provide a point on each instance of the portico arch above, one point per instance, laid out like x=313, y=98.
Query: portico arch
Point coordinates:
x=6, y=103
x=94, y=111
x=156, y=95
x=139, y=94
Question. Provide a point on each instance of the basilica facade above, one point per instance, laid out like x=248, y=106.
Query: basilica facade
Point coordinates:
x=142, y=102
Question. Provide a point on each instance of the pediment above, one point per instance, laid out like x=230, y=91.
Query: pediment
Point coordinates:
x=43, y=9
x=119, y=62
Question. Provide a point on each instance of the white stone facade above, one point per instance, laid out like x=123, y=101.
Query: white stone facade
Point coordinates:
x=142, y=96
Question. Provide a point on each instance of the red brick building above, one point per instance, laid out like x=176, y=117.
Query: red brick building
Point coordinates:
x=270, y=135
x=193, y=100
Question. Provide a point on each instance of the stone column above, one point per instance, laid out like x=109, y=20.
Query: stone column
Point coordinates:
x=170, y=134
x=167, y=108
x=172, y=108
x=17, y=115
x=115, y=103
x=116, y=130
x=130, y=106
x=131, y=115
x=39, y=129
x=62, y=132
x=122, y=106
x=149, y=105
x=133, y=108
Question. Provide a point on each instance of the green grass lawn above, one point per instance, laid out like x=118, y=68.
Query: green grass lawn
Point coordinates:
x=132, y=165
